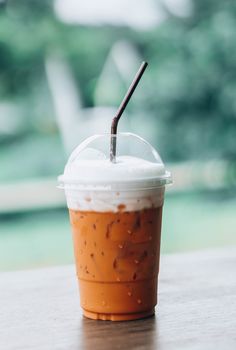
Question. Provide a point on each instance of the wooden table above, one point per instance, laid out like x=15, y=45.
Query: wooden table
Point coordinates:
x=39, y=309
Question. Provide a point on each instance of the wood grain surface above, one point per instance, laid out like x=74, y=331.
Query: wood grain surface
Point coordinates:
x=39, y=309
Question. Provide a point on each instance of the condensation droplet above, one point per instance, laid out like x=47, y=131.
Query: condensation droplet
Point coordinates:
x=121, y=246
x=139, y=301
x=118, y=279
x=130, y=294
x=129, y=232
x=150, y=238
x=115, y=264
x=121, y=207
x=136, y=261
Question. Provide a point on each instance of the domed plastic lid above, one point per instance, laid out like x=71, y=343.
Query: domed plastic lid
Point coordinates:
x=138, y=165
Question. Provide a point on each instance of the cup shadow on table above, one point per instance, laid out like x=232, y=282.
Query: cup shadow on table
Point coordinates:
x=120, y=335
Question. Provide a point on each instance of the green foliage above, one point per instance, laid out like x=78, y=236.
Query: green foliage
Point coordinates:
x=195, y=83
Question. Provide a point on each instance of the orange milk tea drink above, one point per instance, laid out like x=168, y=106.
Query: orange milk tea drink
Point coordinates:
x=115, y=213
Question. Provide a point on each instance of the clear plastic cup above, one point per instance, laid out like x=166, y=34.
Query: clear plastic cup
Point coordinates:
x=115, y=212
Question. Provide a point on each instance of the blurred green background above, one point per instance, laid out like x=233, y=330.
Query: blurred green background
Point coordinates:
x=65, y=66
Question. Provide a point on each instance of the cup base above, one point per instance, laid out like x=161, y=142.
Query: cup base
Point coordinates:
x=118, y=317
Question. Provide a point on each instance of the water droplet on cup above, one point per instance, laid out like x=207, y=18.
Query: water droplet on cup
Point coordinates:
x=115, y=264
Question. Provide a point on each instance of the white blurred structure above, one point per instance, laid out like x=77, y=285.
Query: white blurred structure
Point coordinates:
x=75, y=122
x=142, y=14
x=120, y=66
x=179, y=8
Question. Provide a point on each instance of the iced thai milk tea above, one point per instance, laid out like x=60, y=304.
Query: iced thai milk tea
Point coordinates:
x=115, y=214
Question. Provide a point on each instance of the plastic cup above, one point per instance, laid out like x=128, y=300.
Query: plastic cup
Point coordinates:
x=115, y=213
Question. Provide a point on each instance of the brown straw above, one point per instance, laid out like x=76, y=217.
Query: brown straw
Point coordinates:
x=121, y=109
